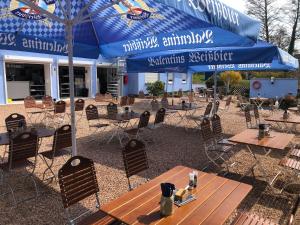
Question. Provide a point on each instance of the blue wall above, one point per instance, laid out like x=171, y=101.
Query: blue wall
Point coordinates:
x=136, y=83
x=280, y=88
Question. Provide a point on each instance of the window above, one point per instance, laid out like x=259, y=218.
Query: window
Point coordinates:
x=184, y=78
x=151, y=77
x=170, y=78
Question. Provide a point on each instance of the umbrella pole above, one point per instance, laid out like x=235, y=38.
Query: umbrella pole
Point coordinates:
x=69, y=28
x=215, y=91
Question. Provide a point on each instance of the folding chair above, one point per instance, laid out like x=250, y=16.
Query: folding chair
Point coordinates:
x=206, y=115
x=61, y=141
x=214, y=152
x=131, y=100
x=243, y=103
x=227, y=105
x=143, y=123
x=123, y=101
x=256, y=115
x=22, y=147
x=159, y=118
x=78, y=181
x=135, y=159
x=247, y=112
x=218, y=131
x=14, y=122
x=154, y=105
x=141, y=94
x=99, y=97
x=31, y=108
x=79, y=109
x=93, y=119
x=58, y=115
x=47, y=101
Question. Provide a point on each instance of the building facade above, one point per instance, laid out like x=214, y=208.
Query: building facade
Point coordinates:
x=26, y=73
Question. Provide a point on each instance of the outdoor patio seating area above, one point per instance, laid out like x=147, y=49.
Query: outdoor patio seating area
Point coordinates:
x=132, y=150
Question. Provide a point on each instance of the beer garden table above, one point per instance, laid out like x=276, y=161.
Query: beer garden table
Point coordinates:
x=292, y=119
x=276, y=141
x=259, y=101
x=216, y=199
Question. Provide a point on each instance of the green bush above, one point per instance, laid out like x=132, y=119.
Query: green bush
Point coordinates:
x=156, y=89
x=210, y=82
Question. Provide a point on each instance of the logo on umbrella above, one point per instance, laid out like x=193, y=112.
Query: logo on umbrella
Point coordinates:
x=24, y=11
x=136, y=10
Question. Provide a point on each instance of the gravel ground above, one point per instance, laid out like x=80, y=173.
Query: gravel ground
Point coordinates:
x=174, y=146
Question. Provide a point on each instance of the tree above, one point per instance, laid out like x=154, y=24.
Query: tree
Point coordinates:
x=294, y=16
x=267, y=12
x=230, y=78
x=156, y=88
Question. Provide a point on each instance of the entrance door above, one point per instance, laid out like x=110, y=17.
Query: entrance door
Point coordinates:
x=25, y=80
x=79, y=82
x=102, y=79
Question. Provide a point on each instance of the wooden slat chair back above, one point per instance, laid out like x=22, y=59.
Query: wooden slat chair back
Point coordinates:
x=108, y=96
x=60, y=107
x=91, y=112
x=144, y=119
x=131, y=100
x=217, y=107
x=77, y=181
x=249, y=219
x=141, y=94
x=135, y=159
x=79, y=105
x=99, y=97
x=62, y=138
x=154, y=105
x=180, y=93
x=15, y=121
x=160, y=116
x=22, y=147
x=217, y=127
x=47, y=101
x=29, y=102
x=112, y=109
x=123, y=100
x=256, y=113
x=247, y=112
x=206, y=131
x=164, y=102
x=208, y=109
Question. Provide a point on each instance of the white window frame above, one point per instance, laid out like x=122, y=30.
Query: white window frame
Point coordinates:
x=170, y=78
x=151, y=77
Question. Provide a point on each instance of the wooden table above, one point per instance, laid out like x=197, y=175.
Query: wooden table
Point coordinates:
x=259, y=101
x=188, y=110
x=41, y=133
x=294, y=109
x=217, y=197
x=276, y=140
x=278, y=119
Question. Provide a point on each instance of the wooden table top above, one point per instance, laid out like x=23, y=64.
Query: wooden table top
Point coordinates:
x=217, y=197
x=41, y=132
x=179, y=107
x=279, y=118
x=294, y=109
x=276, y=140
x=259, y=98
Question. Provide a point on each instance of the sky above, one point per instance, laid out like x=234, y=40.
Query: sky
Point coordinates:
x=236, y=4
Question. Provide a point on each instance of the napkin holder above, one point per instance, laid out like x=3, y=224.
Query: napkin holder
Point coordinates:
x=261, y=131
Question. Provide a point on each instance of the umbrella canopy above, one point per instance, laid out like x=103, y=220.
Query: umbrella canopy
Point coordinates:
x=116, y=28
x=262, y=56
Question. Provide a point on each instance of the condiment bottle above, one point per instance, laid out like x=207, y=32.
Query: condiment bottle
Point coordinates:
x=195, y=178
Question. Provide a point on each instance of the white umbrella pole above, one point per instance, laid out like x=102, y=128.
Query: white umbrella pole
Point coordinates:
x=215, y=90
x=69, y=28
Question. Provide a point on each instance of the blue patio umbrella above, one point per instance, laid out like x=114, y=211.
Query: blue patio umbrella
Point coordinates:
x=115, y=28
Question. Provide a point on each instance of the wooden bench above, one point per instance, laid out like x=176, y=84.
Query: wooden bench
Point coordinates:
x=249, y=219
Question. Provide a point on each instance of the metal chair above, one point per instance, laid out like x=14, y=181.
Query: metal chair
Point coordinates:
x=218, y=131
x=135, y=159
x=79, y=109
x=227, y=105
x=112, y=109
x=22, y=147
x=14, y=122
x=256, y=114
x=99, y=97
x=123, y=101
x=247, y=112
x=141, y=94
x=154, y=105
x=31, y=108
x=214, y=152
x=206, y=115
x=78, y=181
x=47, y=101
x=131, y=100
x=58, y=115
x=93, y=119
x=61, y=141
x=143, y=123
